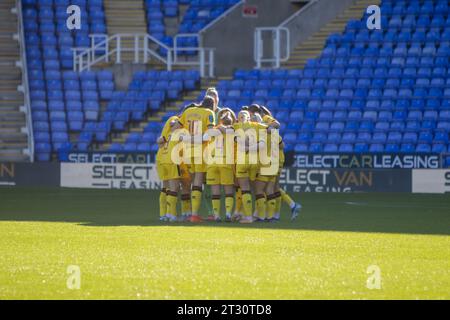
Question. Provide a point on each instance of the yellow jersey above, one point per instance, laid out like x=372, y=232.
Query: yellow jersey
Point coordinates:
x=268, y=120
x=221, y=148
x=197, y=120
x=164, y=152
x=251, y=139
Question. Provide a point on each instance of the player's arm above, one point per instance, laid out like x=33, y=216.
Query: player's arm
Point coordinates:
x=161, y=141
x=274, y=124
x=261, y=143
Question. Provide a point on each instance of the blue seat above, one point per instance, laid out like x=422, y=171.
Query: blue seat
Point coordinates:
x=345, y=147
x=423, y=148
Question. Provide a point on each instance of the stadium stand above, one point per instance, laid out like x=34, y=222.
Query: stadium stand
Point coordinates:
x=12, y=138
x=382, y=90
x=194, y=16
x=369, y=90
x=147, y=93
x=59, y=101
x=73, y=110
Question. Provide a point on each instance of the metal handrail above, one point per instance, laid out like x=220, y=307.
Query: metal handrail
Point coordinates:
x=277, y=58
x=84, y=58
x=25, y=84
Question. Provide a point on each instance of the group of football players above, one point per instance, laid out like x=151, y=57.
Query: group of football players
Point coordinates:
x=244, y=158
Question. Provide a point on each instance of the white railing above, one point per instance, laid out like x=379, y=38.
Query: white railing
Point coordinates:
x=203, y=57
x=276, y=55
x=144, y=47
x=25, y=87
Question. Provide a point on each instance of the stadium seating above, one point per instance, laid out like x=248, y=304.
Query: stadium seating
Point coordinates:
x=146, y=93
x=61, y=100
x=197, y=16
x=369, y=91
x=382, y=90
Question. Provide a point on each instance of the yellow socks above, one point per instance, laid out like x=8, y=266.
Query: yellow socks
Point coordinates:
x=186, y=204
x=286, y=198
x=247, y=203
x=261, y=205
x=216, y=204
x=229, y=201
x=196, y=199
x=238, y=208
x=162, y=202
x=277, y=205
x=271, y=205
x=172, y=198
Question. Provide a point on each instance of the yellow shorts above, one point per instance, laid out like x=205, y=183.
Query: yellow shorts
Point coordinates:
x=262, y=178
x=197, y=167
x=247, y=171
x=220, y=174
x=168, y=171
x=185, y=175
x=267, y=173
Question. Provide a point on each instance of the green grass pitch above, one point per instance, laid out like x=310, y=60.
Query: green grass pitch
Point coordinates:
x=123, y=252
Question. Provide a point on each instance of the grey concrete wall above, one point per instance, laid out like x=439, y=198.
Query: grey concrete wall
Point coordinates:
x=232, y=36
x=312, y=17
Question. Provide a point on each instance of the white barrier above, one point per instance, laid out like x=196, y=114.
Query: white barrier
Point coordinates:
x=430, y=181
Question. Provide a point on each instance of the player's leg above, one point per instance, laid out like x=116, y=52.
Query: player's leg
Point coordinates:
x=213, y=181
x=260, y=199
x=271, y=198
x=196, y=193
x=227, y=181
x=163, y=201
x=163, y=193
x=294, y=206
x=174, y=181
x=247, y=204
x=238, y=207
x=278, y=200
x=242, y=176
x=185, y=199
x=185, y=193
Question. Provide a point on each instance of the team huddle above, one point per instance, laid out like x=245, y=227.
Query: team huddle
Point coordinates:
x=238, y=157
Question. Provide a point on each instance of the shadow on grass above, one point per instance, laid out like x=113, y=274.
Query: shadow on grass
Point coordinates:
x=387, y=213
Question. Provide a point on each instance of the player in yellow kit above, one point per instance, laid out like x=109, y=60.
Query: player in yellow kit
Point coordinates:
x=274, y=193
x=268, y=165
x=197, y=120
x=247, y=167
x=220, y=167
x=168, y=172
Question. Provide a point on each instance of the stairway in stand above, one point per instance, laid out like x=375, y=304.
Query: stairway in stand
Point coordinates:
x=313, y=46
x=13, y=137
x=125, y=17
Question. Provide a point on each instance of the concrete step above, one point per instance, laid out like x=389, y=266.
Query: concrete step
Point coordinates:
x=11, y=95
x=12, y=116
x=313, y=46
x=11, y=124
x=4, y=146
x=10, y=108
x=9, y=103
x=16, y=156
x=8, y=136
